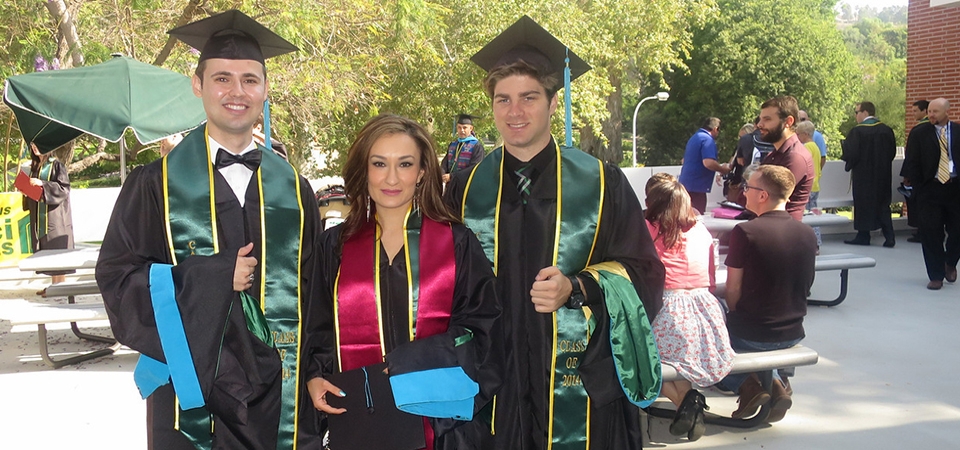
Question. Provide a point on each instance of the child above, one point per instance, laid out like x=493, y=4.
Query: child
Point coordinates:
x=689, y=330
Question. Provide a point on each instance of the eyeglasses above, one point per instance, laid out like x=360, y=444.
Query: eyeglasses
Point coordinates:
x=747, y=187
x=803, y=119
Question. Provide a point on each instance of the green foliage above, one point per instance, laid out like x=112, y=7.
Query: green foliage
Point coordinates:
x=360, y=58
x=747, y=52
x=879, y=49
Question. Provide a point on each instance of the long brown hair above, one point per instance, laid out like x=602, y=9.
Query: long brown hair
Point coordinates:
x=355, y=173
x=668, y=204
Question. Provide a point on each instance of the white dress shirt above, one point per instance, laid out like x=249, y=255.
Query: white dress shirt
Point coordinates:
x=237, y=175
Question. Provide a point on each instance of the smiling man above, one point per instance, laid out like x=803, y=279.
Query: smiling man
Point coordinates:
x=199, y=279
x=576, y=268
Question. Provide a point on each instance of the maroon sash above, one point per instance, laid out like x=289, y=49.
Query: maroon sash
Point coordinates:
x=357, y=311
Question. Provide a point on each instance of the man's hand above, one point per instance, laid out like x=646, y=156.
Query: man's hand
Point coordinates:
x=36, y=182
x=906, y=181
x=246, y=266
x=550, y=290
x=445, y=177
x=318, y=388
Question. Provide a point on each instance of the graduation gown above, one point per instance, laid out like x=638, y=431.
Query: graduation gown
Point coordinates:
x=56, y=201
x=526, y=246
x=868, y=153
x=475, y=307
x=241, y=382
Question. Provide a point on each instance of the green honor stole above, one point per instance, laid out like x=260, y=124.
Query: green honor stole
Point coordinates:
x=580, y=190
x=580, y=194
x=191, y=229
x=43, y=221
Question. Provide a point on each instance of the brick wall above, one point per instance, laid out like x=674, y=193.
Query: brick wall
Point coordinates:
x=933, y=55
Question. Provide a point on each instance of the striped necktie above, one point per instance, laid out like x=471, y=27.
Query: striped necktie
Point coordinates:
x=523, y=182
x=943, y=170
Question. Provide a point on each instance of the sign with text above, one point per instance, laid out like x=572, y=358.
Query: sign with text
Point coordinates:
x=14, y=229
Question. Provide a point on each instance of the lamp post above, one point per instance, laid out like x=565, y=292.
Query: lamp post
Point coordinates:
x=661, y=96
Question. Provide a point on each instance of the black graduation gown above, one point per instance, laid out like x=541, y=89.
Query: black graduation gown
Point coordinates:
x=475, y=307
x=526, y=243
x=249, y=370
x=868, y=152
x=56, y=194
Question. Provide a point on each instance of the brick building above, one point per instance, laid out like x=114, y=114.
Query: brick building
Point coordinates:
x=933, y=53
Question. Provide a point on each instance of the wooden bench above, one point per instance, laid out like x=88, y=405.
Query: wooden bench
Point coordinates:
x=843, y=262
x=763, y=363
x=41, y=315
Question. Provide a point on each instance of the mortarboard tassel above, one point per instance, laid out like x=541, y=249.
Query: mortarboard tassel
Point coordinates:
x=567, y=106
x=266, y=124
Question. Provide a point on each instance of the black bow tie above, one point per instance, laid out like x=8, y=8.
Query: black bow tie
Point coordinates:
x=250, y=159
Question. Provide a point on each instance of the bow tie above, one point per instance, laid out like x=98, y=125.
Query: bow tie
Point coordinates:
x=250, y=159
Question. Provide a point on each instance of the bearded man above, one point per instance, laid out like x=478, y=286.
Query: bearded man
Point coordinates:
x=778, y=118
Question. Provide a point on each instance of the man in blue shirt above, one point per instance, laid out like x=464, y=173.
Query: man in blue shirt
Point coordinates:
x=700, y=163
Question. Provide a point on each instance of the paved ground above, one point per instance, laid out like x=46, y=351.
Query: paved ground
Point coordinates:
x=885, y=379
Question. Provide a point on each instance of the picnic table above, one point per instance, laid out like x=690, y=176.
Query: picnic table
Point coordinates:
x=719, y=226
x=67, y=259
x=42, y=314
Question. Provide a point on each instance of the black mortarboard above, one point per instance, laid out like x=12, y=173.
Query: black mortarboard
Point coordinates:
x=372, y=419
x=527, y=41
x=232, y=35
x=466, y=119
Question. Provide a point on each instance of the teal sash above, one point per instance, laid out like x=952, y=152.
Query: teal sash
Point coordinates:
x=191, y=230
x=580, y=190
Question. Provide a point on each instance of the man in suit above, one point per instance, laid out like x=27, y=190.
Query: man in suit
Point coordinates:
x=929, y=167
x=919, y=110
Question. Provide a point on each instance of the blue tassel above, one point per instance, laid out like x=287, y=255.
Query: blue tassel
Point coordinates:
x=567, y=106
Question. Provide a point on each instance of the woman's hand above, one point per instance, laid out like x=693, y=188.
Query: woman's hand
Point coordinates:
x=318, y=389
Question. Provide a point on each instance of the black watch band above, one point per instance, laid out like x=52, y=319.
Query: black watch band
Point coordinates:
x=577, y=298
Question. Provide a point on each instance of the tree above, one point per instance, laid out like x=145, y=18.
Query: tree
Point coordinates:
x=746, y=53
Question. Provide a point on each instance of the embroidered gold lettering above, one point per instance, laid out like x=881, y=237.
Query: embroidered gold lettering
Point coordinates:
x=571, y=380
x=286, y=337
x=192, y=245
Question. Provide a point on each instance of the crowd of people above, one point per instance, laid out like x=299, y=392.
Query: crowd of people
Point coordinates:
x=516, y=299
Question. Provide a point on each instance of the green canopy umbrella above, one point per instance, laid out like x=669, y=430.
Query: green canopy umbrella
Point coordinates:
x=103, y=100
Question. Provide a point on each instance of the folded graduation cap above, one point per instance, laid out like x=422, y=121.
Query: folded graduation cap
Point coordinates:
x=232, y=35
x=445, y=393
x=372, y=420
x=527, y=41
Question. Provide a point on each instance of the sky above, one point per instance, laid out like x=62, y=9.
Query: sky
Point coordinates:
x=879, y=4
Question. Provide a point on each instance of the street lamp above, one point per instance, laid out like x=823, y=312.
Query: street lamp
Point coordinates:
x=662, y=96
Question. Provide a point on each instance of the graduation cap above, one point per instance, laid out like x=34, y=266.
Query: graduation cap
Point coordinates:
x=232, y=35
x=235, y=35
x=466, y=119
x=527, y=41
x=372, y=419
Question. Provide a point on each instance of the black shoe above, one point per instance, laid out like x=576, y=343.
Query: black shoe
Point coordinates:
x=699, y=424
x=889, y=243
x=857, y=241
x=914, y=238
x=685, y=418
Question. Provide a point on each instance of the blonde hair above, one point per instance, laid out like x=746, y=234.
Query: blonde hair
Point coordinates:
x=778, y=181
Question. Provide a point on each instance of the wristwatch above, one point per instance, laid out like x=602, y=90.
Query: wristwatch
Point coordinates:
x=576, y=296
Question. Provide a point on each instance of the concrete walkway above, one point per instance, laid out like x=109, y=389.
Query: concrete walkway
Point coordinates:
x=884, y=381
